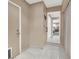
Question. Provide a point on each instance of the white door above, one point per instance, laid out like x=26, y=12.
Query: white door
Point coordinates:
x=13, y=28
x=53, y=24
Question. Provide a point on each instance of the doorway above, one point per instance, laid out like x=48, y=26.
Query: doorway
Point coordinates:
x=53, y=24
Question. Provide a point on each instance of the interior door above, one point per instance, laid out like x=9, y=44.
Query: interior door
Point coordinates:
x=13, y=29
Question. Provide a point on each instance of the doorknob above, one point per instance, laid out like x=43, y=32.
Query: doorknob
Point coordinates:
x=17, y=32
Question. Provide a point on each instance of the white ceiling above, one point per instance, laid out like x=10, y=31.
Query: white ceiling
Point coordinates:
x=33, y=1
x=48, y=3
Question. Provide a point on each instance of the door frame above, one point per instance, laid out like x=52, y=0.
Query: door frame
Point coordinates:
x=16, y=5
x=59, y=25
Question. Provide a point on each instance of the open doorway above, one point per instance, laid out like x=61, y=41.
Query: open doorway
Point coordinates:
x=53, y=24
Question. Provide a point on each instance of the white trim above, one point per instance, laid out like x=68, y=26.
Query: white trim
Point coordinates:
x=19, y=23
x=60, y=27
x=20, y=28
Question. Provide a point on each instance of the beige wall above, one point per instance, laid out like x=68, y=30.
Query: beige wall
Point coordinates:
x=37, y=30
x=63, y=9
x=24, y=24
x=67, y=18
x=56, y=8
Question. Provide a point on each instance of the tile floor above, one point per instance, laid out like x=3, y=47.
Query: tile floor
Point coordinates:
x=49, y=51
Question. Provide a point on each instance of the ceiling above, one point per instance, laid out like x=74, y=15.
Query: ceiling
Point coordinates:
x=48, y=3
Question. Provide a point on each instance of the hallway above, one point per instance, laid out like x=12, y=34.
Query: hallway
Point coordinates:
x=39, y=29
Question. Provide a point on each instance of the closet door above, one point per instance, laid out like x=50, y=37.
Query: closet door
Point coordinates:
x=13, y=29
